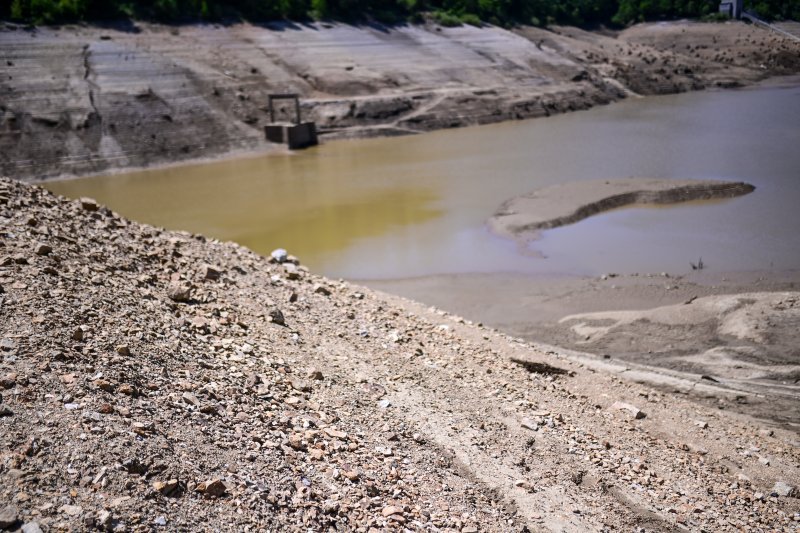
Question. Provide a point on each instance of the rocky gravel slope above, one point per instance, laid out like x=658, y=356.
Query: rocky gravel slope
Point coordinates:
x=160, y=380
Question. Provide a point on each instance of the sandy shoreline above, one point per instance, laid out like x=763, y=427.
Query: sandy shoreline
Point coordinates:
x=524, y=216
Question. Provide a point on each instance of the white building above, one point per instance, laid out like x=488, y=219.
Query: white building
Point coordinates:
x=732, y=8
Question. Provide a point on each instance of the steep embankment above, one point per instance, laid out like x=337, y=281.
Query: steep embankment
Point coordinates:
x=523, y=217
x=158, y=378
x=77, y=100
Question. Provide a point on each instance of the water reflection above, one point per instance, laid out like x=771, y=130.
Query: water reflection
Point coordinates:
x=410, y=206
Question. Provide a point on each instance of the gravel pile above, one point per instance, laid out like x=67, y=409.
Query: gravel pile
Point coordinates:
x=161, y=380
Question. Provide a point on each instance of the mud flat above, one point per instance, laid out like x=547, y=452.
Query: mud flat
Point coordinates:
x=523, y=217
x=724, y=339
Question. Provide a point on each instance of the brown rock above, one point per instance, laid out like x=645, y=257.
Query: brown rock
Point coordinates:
x=210, y=272
x=143, y=428
x=166, y=487
x=276, y=317
x=104, y=385
x=8, y=381
x=316, y=454
x=321, y=289
x=8, y=516
x=78, y=334
x=296, y=442
x=335, y=433
x=391, y=509
x=315, y=374
x=213, y=488
x=179, y=291
x=89, y=204
x=43, y=249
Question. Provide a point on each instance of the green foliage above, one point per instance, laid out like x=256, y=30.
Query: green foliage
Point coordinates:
x=775, y=9
x=445, y=12
x=631, y=11
x=472, y=20
x=446, y=19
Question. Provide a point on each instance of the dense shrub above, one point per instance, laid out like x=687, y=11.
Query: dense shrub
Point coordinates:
x=445, y=12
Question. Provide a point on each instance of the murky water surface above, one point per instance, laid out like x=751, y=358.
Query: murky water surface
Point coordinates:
x=410, y=206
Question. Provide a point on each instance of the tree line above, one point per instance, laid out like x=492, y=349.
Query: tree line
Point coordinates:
x=446, y=12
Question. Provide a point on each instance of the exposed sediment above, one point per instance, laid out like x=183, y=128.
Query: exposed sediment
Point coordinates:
x=525, y=216
x=77, y=100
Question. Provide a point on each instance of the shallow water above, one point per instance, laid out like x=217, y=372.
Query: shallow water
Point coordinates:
x=412, y=206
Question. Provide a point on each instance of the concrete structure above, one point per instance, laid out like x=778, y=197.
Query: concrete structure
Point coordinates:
x=732, y=8
x=295, y=135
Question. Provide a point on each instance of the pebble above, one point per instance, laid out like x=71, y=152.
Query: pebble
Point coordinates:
x=179, y=291
x=43, y=249
x=8, y=516
x=634, y=411
x=781, y=488
x=210, y=272
x=321, y=289
x=391, y=509
x=300, y=385
x=72, y=510
x=276, y=317
x=165, y=487
x=31, y=527
x=332, y=432
x=213, y=488
x=279, y=255
x=89, y=204
x=292, y=272
x=104, y=520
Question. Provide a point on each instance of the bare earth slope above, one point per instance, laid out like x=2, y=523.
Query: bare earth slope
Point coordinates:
x=77, y=100
x=149, y=379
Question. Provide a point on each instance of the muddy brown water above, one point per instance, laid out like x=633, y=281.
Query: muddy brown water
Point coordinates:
x=414, y=206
